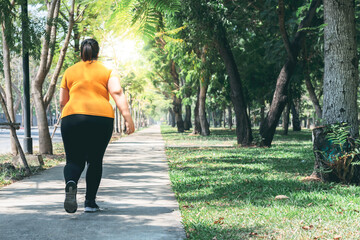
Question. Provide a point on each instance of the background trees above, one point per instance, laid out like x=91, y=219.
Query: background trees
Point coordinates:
x=201, y=61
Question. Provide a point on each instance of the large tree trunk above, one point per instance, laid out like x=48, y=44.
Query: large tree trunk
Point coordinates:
x=286, y=114
x=341, y=64
x=205, y=131
x=8, y=84
x=243, y=126
x=177, y=107
x=268, y=126
x=296, y=123
x=187, y=123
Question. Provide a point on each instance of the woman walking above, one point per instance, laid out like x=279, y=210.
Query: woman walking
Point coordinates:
x=87, y=122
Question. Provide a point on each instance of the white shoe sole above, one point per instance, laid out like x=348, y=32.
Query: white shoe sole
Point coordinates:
x=90, y=209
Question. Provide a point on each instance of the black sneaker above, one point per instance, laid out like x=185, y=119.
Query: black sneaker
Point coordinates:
x=91, y=206
x=70, y=203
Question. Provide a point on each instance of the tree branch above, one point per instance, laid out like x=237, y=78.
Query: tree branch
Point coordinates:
x=81, y=14
x=50, y=92
x=285, y=37
x=53, y=36
x=42, y=71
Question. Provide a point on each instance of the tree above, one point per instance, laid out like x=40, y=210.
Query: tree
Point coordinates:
x=6, y=17
x=41, y=102
x=268, y=126
x=341, y=64
x=209, y=18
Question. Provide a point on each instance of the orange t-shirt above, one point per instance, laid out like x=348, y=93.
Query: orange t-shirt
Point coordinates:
x=87, y=85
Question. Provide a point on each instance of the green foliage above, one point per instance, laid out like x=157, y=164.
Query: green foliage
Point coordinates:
x=342, y=152
x=143, y=17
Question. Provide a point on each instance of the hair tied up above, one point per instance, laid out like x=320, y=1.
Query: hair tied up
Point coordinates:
x=89, y=50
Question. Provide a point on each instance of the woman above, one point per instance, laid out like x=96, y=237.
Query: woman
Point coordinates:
x=87, y=121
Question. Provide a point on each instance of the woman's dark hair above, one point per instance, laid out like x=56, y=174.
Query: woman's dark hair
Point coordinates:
x=89, y=50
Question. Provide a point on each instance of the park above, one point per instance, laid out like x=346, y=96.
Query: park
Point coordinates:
x=245, y=114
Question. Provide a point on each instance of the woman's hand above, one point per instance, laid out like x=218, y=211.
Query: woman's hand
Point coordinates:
x=130, y=128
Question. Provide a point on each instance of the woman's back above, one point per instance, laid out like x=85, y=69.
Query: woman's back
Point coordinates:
x=87, y=85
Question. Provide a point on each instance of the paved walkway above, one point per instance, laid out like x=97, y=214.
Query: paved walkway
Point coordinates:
x=135, y=195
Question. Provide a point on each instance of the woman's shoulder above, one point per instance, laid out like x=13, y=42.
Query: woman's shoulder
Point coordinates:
x=74, y=67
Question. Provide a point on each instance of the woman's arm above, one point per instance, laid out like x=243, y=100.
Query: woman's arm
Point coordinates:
x=119, y=97
x=64, y=97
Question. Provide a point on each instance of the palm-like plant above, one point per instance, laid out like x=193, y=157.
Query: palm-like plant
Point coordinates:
x=145, y=17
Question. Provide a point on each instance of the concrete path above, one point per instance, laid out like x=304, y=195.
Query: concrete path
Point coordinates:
x=135, y=195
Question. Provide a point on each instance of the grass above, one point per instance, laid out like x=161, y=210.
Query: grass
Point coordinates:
x=10, y=174
x=229, y=193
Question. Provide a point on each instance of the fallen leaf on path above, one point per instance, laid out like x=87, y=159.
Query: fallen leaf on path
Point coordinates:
x=281, y=197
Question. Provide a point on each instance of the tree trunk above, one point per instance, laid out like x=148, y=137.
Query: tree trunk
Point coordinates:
x=230, y=122
x=177, y=107
x=8, y=84
x=310, y=88
x=76, y=41
x=45, y=143
x=224, y=117
x=172, y=117
x=177, y=101
x=213, y=116
x=313, y=97
x=286, y=114
x=308, y=122
x=197, y=125
x=268, y=126
x=295, y=117
x=341, y=64
x=13, y=134
x=262, y=111
x=205, y=131
x=51, y=89
x=243, y=126
x=187, y=123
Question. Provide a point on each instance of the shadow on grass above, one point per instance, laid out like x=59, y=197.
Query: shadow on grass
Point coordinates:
x=204, y=231
x=235, y=176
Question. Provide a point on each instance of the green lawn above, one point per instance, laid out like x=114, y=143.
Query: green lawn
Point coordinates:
x=229, y=192
x=10, y=174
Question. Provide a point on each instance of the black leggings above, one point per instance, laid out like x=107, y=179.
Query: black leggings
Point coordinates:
x=85, y=140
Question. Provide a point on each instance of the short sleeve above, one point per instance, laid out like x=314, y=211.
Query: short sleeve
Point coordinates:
x=64, y=82
x=114, y=73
